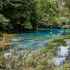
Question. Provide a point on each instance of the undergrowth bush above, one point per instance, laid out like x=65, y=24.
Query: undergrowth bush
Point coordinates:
x=38, y=60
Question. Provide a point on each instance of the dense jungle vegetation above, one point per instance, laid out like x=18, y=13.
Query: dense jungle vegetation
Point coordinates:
x=18, y=15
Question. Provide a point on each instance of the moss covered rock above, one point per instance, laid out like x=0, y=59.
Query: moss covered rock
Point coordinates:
x=68, y=36
x=9, y=35
x=39, y=39
x=17, y=40
x=29, y=34
x=51, y=36
x=0, y=38
x=57, y=42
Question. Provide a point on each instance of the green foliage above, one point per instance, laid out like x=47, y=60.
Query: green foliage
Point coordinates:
x=49, y=13
x=31, y=14
x=3, y=48
x=65, y=66
x=3, y=22
x=66, y=27
x=67, y=4
x=37, y=61
x=23, y=14
x=28, y=14
x=0, y=38
x=47, y=49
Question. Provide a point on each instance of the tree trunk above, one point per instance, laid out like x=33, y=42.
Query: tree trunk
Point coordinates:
x=35, y=27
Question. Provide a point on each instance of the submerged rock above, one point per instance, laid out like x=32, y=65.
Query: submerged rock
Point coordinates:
x=51, y=36
x=29, y=34
x=17, y=40
x=39, y=39
x=58, y=42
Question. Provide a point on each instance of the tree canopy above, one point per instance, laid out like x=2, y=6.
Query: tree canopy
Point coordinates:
x=18, y=15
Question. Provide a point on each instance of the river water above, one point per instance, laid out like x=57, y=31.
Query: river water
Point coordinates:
x=38, y=39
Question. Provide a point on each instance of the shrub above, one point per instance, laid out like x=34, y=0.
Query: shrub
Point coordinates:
x=3, y=48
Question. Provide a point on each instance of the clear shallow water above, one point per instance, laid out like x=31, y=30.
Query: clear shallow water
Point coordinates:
x=37, y=39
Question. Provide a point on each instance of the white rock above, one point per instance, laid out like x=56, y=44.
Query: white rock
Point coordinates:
x=7, y=54
x=57, y=61
x=63, y=51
